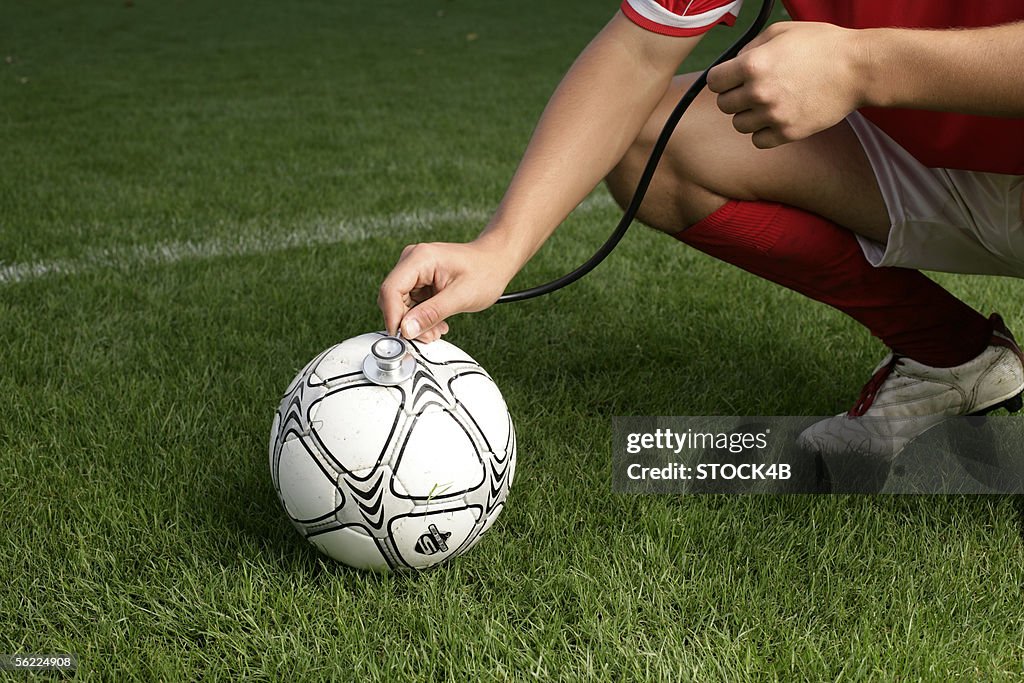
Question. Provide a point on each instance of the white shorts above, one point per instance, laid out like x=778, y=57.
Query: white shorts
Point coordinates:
x=943, y=219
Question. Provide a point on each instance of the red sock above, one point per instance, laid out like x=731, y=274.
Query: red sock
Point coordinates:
x=911, y=314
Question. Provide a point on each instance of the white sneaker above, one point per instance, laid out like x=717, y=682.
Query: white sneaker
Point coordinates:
x=904, y=399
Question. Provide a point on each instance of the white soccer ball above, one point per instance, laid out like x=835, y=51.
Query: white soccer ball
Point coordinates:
x=389, y=477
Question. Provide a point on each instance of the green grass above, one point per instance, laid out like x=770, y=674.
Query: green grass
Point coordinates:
x=141, y=531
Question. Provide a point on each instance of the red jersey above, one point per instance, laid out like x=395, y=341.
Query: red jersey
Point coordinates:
x=936, y=139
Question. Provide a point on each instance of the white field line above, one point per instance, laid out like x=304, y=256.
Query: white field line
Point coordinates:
x=164, y=253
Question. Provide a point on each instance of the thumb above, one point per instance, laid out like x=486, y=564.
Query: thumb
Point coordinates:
x=429, y=313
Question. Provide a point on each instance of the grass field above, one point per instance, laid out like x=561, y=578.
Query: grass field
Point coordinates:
x=197, y=197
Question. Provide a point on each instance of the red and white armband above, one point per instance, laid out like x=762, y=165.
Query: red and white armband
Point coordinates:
x=681, y=17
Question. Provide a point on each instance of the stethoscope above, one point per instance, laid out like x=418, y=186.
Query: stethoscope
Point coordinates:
x=389, y=362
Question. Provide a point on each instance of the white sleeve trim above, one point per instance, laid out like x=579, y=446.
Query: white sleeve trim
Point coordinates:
x=652, y=11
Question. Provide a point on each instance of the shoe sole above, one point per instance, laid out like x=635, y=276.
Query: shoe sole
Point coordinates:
x=1013, y=404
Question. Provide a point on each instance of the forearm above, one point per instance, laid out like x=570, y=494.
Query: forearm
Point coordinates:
x=970, y=71
x=590, y=121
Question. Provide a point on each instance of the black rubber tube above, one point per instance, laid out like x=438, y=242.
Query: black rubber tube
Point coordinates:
x=652, y=164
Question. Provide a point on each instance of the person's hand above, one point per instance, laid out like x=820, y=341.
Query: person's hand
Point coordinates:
x=792, y=81
x=432, y=282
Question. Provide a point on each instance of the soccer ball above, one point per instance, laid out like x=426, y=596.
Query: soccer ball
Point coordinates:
x=387, y=477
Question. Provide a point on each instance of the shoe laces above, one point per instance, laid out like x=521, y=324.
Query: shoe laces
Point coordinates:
x=870, y=390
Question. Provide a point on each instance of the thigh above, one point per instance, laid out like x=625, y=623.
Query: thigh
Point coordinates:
x=828, y=173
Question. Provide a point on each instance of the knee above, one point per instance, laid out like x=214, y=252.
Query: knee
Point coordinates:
x=676, y=198
x=622, y=180
x=624, y=176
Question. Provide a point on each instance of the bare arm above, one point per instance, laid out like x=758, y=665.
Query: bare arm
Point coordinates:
x=971, y=71
x=589, y=122
x=798, y=78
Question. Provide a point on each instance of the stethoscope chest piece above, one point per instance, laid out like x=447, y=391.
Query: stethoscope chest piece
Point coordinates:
x=389, y=362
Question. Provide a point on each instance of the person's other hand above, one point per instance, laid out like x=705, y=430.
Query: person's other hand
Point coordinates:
x=792, y=81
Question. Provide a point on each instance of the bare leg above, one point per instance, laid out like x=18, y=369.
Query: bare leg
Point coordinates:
x=794, y=213
x=708, y=162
